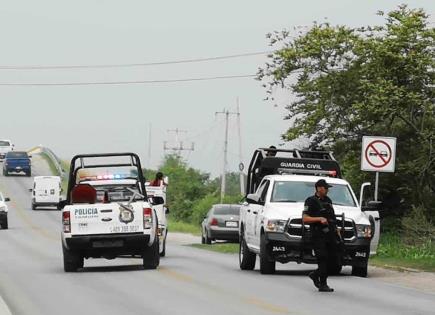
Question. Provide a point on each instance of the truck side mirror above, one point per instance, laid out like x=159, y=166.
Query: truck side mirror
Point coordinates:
x=252, y=198
x=167, y=210
x=156, y=200
x=7, y=199
x=30, y=190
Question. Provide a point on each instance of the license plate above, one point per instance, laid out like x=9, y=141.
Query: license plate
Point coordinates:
x=101, y=244
x=232, y=224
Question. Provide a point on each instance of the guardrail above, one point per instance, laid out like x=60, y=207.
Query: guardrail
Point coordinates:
x=53, y=157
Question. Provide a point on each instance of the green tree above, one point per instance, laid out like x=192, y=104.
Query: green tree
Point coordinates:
x=373, y=80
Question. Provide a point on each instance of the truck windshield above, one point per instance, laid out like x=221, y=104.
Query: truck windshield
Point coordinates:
x=17, y=155
x=115, y=193
x=4, y=143
x=288, y=191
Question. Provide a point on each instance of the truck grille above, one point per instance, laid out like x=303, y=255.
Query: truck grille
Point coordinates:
x=295, y=228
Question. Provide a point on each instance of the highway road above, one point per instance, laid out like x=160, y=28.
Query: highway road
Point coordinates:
x=188, y=281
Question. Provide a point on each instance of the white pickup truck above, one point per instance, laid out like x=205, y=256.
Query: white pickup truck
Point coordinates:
x=158, y=195
x=271, y=218
x=107, y=213
x=5, y=147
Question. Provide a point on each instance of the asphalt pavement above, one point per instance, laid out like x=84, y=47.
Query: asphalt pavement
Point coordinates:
x=188, y=281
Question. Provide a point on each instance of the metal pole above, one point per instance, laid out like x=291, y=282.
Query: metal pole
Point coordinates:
x=376, y=186
x=149, y=147
x=224, y=171
x=242, y=178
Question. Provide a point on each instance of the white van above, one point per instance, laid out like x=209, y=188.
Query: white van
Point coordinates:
x=46, y=191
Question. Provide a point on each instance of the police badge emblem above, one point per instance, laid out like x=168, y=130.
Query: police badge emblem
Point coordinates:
x=126, y=214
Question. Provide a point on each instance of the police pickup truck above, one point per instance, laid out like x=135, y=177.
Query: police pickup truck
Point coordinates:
x=271, y=223
x=107, y=213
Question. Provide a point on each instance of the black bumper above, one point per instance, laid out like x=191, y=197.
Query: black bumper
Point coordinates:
x=283, y=248
x=116, y=244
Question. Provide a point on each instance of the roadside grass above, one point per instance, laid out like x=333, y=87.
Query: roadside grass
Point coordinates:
x=183, y=227
x=394, y=253
x=226, y=248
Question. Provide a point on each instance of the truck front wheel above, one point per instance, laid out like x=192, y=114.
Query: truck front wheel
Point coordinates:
x=267, y=267
x=246, y=257
x=360, y=271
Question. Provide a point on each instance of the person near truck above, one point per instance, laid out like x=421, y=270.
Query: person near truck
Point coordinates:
x=319, y=214
x=158, y=180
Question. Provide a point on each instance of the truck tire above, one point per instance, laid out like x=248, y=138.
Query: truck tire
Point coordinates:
x=5, y=173
x=29, y=173
x=334, y=266
x=151, y=255
x=359, y=271
x=71, y=260
x=246, y=257
x=33, y=206
x=5, y=224
x=163, y=253
x=267, y=267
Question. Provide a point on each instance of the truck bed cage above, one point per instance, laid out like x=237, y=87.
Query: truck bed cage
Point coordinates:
x=269, y=161
x=134, y=162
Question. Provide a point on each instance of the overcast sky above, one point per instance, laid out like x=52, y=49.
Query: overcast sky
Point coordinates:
x=85, y=119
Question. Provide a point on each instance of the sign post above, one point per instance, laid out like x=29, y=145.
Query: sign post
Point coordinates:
x=378, y=154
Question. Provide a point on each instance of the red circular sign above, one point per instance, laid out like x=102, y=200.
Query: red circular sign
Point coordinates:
x=384, y=156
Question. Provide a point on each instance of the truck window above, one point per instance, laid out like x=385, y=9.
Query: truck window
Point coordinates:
x=289, y=191
x=4, y=143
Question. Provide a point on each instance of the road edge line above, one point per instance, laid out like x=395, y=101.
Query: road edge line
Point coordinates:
x=4, y=308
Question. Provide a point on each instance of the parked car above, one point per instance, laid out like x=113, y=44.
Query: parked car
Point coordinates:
x=17, y=161
x=221, y=223
x=3, y=212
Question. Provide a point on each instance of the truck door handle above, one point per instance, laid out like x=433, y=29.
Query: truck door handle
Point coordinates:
x=254, y=212
x=377, y=219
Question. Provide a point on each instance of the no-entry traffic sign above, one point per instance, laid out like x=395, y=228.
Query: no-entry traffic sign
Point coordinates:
x=378, y=154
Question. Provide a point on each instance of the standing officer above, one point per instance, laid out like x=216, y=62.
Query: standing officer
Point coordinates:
x=319, y=213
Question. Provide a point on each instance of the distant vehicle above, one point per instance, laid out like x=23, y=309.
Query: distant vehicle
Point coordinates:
x=157, y=196
x=46, y=191
x=5, y=147
x=221, y=223
x=17, y=162
x=107, y=213
x=3, y=212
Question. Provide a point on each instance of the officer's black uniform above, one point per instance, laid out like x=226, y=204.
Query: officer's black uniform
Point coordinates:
x=324, y=237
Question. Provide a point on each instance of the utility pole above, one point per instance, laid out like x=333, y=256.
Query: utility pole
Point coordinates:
x=227, y=114
x=241, y=166
x=178, y=146
x=149, y=147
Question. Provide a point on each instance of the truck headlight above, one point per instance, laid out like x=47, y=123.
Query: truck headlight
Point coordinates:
x=364, y=231
x=276, y=226
x=3, y=209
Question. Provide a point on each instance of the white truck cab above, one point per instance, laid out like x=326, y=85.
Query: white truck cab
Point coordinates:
x=271, y=223
x=157, y=196
x=46, y=191
x=5, y=147
x=106, y=213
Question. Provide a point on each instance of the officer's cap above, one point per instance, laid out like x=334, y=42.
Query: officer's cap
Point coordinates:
x=322, y=183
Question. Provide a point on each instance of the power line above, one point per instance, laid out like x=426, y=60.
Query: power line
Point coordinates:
x=132, y=82
x=146, y=64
